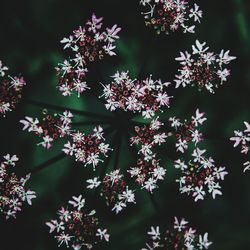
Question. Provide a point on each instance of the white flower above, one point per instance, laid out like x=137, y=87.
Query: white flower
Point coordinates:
x=181, y=145
x=223, y=74
x=78, y=202
x=224, y=57
x=31, y=124
x=247, y=166
x=196, y=13
x=198, y=118
x=93, y=183
x=127, y=196
x=180, y=225
x=28, y=196
x=46, y=143
x=203, y=241
x=10, y=160
x=119, y=207
x=199, y=48
x=155, y=233
x=103, y=234
x=2, y=69
x=159, y=173
x=180, y=164
x=150, y=184
x=199, y=193
x=198, y=154
x=63, y=239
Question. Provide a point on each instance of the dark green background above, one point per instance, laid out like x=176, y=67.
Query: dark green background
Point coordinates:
x=30, y=31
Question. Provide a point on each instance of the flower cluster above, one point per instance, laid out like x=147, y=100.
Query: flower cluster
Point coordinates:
x=76, y=227
x=145, y=96
x=87, y=148
x=12, y=189
x=10, y=90
x=114, y=189
x=187, y=131
x=148, y=136
x=178, y=237
x=88, y=44
x=202, y=68
x=200, y=175
x=167, y=16
x=242, y=139
x=147, y=173
x=147, y=169
x=50, y=127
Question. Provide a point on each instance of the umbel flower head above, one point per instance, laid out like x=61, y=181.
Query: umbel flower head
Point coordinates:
x=202, y=68
x=177, y=237
x=50, y=128
x=147, y=173
x=10, y=90
x=200, y=176
x=114, y=189
x=145, y=96
x=149, y=136
x=167, y=16
x=12, y=188
x=187, y=131
x=87, y=149
x=242, y=139
x=76, y=227
x=87, y=44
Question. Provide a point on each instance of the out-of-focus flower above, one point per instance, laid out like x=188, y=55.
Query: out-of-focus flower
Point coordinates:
x=167, y=16
x=144, y=96
x=178, y=236
x=13, y=192
x=76, y=227
x=200, y=176
x=202, y=68
x=10, y=90
x=87, y=149
x=186, y=131
x=242, y=139
x=50, y=127
x=88, y=43
x=115, y=190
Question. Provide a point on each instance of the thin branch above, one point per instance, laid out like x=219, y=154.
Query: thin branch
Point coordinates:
x=47, y=163
x=86, y=123
x=118, y=148
x=75, y=111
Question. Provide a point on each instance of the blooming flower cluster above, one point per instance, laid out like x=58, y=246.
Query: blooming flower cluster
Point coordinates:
x=87, y=148
x=178, y=237
x=10, y=90
x=145, y=96
x=88, y=44
x=147, y=169
x=50, y=127
x=242, y=139
x=77, y=227
x=187, y=131
x=200, y=175
x=12, y=189
x=167, y=16
x=202, y=68
x=147, y=173
x=147, y=137
x=114, y=189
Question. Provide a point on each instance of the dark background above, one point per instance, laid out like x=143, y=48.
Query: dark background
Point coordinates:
x=30, y=31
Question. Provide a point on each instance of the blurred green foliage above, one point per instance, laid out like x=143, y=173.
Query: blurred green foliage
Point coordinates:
x=30, y=35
